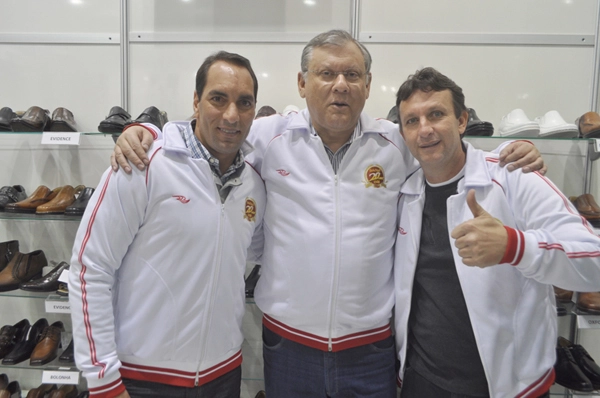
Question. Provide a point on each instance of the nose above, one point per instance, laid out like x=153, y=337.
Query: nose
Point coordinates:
x=340, y=84
x=231, y=114
x=425, y=127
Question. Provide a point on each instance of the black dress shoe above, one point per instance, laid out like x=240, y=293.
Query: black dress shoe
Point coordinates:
x=48, y=282
x=115, y=121
x=251, y=280
x=10, y=336
x=3, y=381
x=7, y=250
x=34, y=119
x=586, y=363
x=568, y=372
x=78, y=207
x=152, y=115
x=6, y=115
x=68, y=355
x=11, y=194
x=13, y=390
x=24, y=348
x=63, y=120
x=477, y=127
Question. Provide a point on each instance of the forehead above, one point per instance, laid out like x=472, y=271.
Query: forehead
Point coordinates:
x=329, y=55
x=229, y=77
x=427, y=99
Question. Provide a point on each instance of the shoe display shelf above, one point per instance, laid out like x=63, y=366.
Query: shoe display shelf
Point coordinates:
x=31, y=160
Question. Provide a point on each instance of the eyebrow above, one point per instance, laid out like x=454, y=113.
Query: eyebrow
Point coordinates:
x=222, y=94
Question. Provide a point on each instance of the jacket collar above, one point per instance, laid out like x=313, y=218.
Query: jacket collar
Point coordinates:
x=476, y=173
x=301, y=121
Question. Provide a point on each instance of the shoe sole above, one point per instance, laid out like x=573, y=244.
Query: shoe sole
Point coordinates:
x=61, y=127
x=526, y=130
x=23, y=126
x=562, y=133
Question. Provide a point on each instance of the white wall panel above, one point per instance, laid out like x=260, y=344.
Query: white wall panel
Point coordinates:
x=507, y=16
x=64, y=16
x=495, y=79
x=82, y=78
x=164, y=75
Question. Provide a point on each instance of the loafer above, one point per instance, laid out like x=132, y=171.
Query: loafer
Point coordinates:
x=251, y=280
x=65, y=391
x=48, y=282
x=41, y=195
x=7, y=251
x=586, y=363
x=477, y=127
x=42, y=391
x=34, y=119
x=152, y=115
x=116, y=121
x=568, y=373
x=562, y=295
x=64, y=198
x=589, y=125
x=589, y=303
x=24, y=348
x=22, y=268
x=63, y=120
x=46, y=349
x=517, y=124
x=11, y=194
x=78, y=207
x=68, y=355
x=553, y=125
x=11, y=335
x=6, y=116
x=13, y=390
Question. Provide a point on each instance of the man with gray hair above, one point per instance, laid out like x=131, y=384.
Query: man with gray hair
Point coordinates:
x=333, y=175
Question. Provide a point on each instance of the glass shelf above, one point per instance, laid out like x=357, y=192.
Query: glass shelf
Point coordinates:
x=37, y=217
x=52, y=365
x=97, y=133
x=26, y=294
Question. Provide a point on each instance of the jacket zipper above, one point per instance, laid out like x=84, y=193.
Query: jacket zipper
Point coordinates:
x=336, y=265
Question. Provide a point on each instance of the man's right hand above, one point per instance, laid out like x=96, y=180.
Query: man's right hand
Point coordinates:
x=131, y=146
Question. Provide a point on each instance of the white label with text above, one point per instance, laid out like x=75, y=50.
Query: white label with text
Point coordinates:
x=588, y=321
x=62, y=307
x=60, y=138
x=60, y=377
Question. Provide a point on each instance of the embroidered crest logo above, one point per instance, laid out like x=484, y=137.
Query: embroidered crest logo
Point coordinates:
x=181, y=198
x=374, y=176
x=250, y=210
x=283, y=172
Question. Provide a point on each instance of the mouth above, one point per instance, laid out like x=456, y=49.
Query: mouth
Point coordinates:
x=227, y=131
x=339, y=104
x=429, y=145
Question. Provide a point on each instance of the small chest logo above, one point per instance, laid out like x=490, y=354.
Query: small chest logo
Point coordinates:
x=181, y=198
x=250, y=210
x=374, y=176
x=283, y=172
x=402, y=231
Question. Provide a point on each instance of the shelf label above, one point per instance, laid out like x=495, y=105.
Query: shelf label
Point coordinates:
x=62, y=307
x=597, y=144
x=60, y=138
x=588, y=321
x=60, y=377
x=64, y=276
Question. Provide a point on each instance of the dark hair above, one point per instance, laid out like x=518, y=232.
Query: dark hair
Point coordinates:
x=230, y=58
x=429, y=79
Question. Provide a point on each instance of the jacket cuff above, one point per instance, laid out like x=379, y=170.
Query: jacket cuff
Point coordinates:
x=515, y=247
x=110, y=390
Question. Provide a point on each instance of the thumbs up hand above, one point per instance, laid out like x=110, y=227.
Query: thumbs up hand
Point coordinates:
x=482, y=240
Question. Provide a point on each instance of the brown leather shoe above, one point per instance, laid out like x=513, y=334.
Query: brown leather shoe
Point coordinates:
x=586, y=206
x=589, y=125
x=65, y=391
x=7, y=251
x=41, y=195
x=563, y=295
x=34, y=119
x=13, y=390
x=589, y=302
x=41, y=391
x=47, y=347
x=22, y=268
x=64, y=198
x=63, y=120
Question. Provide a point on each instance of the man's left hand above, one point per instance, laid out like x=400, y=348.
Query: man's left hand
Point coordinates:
x=481, y=241
x=522, y=154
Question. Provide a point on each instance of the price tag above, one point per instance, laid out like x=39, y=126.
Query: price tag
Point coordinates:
x=64, y=276
x=60, y=138
x=597, y=144
x=60, y=307
x=588, y=321
x=60, y=377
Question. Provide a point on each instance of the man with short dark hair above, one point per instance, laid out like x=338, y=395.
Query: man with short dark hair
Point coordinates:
x=464, y=331
x=332, y=175
x=156, y=282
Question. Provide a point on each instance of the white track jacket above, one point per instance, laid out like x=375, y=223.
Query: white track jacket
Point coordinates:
x=511, y=306
x=156, y=283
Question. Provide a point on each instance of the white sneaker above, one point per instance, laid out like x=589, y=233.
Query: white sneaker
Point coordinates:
x=517, y=124
x=553, y=125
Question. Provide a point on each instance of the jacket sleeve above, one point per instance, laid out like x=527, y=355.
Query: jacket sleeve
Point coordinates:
x=109, y=225
x=553, y=243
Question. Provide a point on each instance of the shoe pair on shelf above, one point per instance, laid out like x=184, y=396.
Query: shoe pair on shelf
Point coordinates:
x=588, y=303
x=54, y=391
x=118, y=118
x=11, y=194
x=575, y=368
x=517, y=124
x=9, y=389
x=586, y=206
x=477, y=127
x=37, y=119
x=66, y=199
x=38, y=342
x=16, y=267
x=589, y=125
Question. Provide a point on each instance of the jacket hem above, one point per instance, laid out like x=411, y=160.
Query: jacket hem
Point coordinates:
x=322, y=343
x=539, y=387
x=110, y=390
